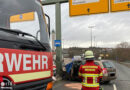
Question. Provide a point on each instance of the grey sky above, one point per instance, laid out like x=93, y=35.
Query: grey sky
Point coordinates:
x=110, y=28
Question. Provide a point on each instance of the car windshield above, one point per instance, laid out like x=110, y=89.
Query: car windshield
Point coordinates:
x=107, y=65
x=19, y=14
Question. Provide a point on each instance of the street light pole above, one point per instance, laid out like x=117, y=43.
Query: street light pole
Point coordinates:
x=91, y=37
x=94, y=41
x=91, y=27
x=58, y=37
x=63, y=43
x=58, y=31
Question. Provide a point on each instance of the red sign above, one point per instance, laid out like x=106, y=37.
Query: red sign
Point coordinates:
x=26, y=65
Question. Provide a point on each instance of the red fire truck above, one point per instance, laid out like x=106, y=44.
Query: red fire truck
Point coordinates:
x=25, y=62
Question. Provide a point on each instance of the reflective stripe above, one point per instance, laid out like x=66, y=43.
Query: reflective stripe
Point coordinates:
x=94, y=80
x=80, y=74
x=94, y=76
x=101, y=74
x=86, y=80
x=90, y=75
x=30, y=76
x=89, y=67
x=90, y=85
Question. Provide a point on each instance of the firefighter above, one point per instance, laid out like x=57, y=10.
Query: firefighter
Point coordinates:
x=90, y=73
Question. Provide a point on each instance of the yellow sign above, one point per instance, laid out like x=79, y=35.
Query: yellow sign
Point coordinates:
x=107, y=55
x=101, y=55
x=120, y=5
x=22, y=17
x=86, y=7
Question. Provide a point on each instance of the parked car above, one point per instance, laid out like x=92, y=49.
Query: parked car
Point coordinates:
x=109, y=70
x=71, y=70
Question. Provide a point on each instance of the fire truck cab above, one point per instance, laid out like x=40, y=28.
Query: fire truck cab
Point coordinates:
x=25, y=62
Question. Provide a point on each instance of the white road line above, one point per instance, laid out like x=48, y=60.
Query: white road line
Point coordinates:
x=114, y=86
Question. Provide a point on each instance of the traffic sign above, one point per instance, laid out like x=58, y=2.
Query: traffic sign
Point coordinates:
x=107, y=55
x=120, y=5
x=86, y=7
x=57, y=43
x=101, y=55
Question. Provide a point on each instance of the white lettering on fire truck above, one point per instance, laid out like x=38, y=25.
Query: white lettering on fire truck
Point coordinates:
x=44, y=61
x=1, y=63
x=36, y=62
x=29, y=62
x=13, y=60
x=26, y=61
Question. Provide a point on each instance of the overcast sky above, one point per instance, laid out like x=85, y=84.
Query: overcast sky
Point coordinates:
x=110, y=28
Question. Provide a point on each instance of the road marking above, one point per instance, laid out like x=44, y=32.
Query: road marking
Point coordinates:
x=114, y=86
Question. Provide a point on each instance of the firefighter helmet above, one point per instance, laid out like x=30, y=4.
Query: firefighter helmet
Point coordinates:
x=89, y=54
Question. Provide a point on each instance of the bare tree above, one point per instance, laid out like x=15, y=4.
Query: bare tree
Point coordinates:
x=123, y=51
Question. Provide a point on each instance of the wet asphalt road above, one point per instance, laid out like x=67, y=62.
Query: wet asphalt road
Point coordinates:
x=123, y=77
x=121, y=83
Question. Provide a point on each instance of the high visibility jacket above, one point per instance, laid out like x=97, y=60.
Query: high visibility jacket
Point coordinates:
x=90, y=74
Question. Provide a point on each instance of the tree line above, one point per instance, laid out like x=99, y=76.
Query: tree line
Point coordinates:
x=121, y=52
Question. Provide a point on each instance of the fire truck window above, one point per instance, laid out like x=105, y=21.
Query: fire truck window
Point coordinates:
x=27, y=22
x=6, y=44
